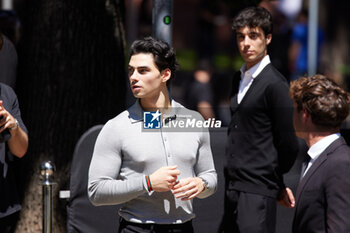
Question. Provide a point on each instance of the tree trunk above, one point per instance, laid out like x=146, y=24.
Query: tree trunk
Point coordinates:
x=71, y=77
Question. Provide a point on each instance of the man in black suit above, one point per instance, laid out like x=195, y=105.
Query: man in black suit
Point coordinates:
x=323, y=194
x=261, y=145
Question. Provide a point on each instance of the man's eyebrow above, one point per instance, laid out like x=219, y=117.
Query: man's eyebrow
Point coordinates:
x=138, y=67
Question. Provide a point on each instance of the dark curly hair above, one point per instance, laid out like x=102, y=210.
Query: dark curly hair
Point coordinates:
x=164, y=55
x=326, y=102
x=254, y=17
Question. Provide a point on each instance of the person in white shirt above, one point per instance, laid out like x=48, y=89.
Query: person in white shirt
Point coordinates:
x=261, y=144
x=323, y=194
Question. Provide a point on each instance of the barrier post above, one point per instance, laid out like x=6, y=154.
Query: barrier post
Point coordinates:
x=47, y=169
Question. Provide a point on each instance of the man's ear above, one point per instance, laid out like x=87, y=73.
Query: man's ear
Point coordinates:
x=165, y=74
x=268, y=38
x=306, y=115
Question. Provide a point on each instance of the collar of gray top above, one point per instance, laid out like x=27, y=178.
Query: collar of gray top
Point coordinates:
x=136, y=112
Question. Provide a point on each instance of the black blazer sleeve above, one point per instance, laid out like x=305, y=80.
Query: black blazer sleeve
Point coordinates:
x=337, y=191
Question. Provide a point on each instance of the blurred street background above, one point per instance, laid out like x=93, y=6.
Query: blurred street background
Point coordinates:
x=71, y=68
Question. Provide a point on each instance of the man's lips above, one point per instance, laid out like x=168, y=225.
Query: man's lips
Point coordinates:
x=135, y=87
x=249, y=52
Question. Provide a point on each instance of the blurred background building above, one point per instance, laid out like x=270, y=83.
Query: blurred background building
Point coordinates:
x=202, y=32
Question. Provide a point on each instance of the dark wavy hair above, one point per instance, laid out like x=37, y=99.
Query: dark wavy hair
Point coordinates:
x=164, y=55
x=326, y=102
x=254, y=17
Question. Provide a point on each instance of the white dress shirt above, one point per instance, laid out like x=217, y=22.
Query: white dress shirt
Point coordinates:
x=247, y=76
x=316, y=149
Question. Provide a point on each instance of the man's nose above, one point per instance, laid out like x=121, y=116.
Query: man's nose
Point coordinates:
x=133, y=77
x=246, y=41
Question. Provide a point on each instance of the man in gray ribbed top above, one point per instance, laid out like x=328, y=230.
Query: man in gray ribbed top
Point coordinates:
x=155, y=172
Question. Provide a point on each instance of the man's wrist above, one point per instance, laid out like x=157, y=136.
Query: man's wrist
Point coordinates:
x=16, y=125
x=205, y=183
x=148, y=183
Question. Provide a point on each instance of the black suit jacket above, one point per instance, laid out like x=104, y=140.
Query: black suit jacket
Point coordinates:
x=323, y=194
x=261, y=142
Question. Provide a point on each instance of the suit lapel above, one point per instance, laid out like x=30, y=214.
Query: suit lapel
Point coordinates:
x=318, y=162
x=260, y=78
x=309, y=173
x=235, y=87
x=251, y=88
x=233, y=101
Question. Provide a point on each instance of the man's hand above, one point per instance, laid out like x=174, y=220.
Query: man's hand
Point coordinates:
x=286, y=198
x=18, y=143
x=188, y=188
x=164, y=178
x=7, y=121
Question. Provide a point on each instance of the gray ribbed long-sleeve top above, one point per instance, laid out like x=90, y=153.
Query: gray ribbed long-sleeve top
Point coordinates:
x=125, y=152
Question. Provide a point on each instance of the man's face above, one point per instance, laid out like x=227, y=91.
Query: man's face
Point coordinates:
x=252, y=44
x=145, y=78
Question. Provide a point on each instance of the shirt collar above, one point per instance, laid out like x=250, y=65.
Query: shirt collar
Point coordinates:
x=136, y=111
x=316, y=149
x=255, y=70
